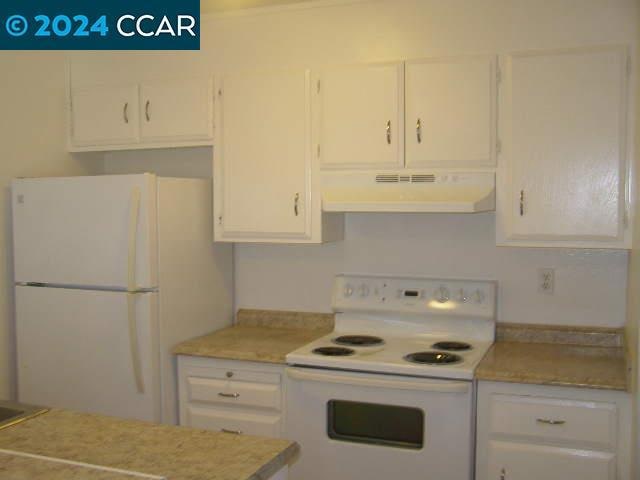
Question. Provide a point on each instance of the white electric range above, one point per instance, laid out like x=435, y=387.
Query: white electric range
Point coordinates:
x=390, y=392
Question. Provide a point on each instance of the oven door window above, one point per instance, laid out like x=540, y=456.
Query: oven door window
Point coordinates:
x=375, y=424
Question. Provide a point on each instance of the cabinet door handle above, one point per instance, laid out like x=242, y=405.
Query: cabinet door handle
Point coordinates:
x=146, y=110
x=296, y=202
x=419, y=130
x=389, y=132
x=521, y=203
x=548, y=421
x=228, y=395
x=125, y=112
x=235, y=432
x=503, y=474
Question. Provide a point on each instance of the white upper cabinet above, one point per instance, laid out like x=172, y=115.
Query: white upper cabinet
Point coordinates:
x=104, y=115
x=158, y=114
x=450, y=112
x=563, y=123
x=263, y=162
x=362, y=116
x=180, y=110
x=416, y=114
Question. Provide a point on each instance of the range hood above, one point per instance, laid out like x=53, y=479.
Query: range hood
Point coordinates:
x=408, y=191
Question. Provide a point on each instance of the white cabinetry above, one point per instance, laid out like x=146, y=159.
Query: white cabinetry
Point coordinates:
x=105, y=115
x=264, y=168
x=231, y=396
x=563, y=127
x=528, y=432
x=450, y=112
x=443, y=111
x=362, y=124
x=147, y=115
x=180, y=110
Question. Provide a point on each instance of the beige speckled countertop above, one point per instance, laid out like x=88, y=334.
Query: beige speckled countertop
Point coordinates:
x=19, y=467
x=176, y=453
x=260, y=336
x=573, y=357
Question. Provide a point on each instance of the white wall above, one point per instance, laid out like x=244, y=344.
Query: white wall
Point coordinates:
x=32, y=143
x=591, y=284
x=185, y=162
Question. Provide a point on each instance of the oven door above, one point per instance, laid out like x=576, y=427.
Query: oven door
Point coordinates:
x=352, y=426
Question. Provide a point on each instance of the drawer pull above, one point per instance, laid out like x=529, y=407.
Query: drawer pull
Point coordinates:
x=548, y=421
x=235, y=432
x=228, y=395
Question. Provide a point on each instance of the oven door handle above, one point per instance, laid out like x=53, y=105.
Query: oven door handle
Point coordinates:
x=442, y=386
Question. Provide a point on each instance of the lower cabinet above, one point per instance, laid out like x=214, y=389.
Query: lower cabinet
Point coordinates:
x=236, y=397
x=531, y=432
x=535, y=462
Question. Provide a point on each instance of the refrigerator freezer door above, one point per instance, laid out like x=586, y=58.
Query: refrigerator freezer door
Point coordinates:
x=75, y=351
x=77, y=231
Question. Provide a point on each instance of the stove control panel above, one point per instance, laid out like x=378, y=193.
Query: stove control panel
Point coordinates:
x=449, y=297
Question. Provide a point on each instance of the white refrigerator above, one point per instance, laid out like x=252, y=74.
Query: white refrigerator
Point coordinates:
x=111, y=272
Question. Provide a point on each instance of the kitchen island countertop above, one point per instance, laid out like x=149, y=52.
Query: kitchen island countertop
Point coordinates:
x=174, y=453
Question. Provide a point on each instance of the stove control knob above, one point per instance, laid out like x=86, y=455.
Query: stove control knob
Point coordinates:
x=462, y=296
x=348, y=290
x=478, y=296
x=442, y=294
x=363, y=290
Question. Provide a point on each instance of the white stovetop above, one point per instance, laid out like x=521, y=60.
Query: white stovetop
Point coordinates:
x=388, y=358
x=410, y=314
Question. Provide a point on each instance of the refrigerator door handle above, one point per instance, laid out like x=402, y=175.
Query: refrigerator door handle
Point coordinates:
x=133, y=342
x=134, y=212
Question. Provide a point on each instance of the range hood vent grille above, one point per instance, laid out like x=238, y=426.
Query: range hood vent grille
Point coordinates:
x=408, y=191
x=423, y=178
x=395, y=178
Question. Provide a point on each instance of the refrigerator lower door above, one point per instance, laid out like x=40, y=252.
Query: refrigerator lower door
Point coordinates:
x=92, y=231
x=87, y=350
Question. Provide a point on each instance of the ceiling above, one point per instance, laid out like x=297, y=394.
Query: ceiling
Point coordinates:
x=217, y=6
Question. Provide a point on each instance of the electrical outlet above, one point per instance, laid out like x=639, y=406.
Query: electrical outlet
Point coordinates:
x=546, y=280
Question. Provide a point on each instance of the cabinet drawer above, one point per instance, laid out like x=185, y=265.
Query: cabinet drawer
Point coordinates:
x=234, y=374
x=231, y=392
x=234, y=421
x=569, y=421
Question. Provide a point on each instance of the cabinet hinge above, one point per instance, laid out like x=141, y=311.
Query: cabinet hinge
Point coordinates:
x=220, y=220
x=318, y=151
x=219, y=92
x=498, y=146
x=628, y=64
x=318, y=86
x=498, y=75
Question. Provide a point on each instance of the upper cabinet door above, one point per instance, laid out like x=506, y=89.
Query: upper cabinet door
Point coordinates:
x=362, y=123
x=450, y=112
x=179, y=110
x=104, y=115
x=563, y=125
x=263, y=157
